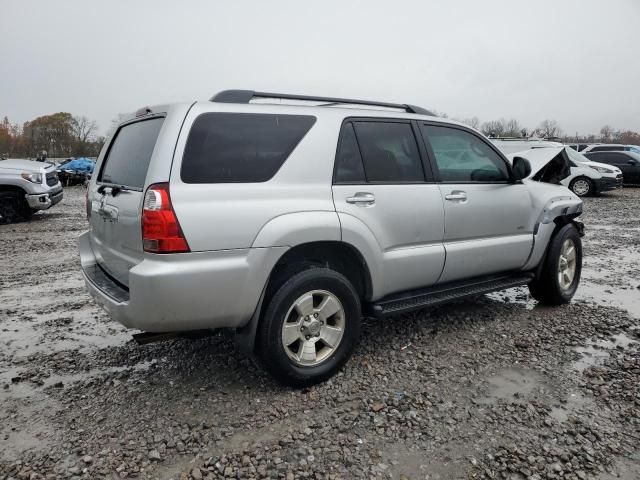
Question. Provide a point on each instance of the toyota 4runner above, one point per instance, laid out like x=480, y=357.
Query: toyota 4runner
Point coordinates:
x=288, y=218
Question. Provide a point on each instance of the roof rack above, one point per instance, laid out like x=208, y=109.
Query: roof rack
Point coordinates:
x=245, y=96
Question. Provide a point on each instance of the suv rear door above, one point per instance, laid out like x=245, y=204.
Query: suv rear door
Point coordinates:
x=116, y=203
x=382, y=180
x=486, y=215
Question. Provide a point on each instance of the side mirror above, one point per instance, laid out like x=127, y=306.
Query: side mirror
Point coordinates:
x=521, y=168
x=632, y=162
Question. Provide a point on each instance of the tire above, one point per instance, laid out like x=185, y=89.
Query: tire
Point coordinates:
x=314, y=306
x=553, y=287
x=582, y=186
x=13, y=207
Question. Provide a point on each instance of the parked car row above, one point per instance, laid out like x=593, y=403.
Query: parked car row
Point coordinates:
x=604, y=147
x=594, y=169
x=27, y=186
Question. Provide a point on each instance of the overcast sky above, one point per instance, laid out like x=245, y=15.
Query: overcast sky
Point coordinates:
x=574, y=61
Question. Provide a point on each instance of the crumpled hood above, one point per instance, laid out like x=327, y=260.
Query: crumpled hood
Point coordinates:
x=549, y=164
x=25, y=165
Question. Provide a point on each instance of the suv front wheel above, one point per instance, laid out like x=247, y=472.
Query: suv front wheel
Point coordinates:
x=310, y=327
x=560, y=274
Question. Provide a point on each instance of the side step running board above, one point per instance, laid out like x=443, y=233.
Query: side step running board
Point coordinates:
x=429, y=297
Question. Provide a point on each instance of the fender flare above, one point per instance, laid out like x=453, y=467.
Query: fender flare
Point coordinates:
x=293, y=229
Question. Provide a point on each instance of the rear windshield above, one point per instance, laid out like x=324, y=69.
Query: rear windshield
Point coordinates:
x=128, y=157
x=240, y=147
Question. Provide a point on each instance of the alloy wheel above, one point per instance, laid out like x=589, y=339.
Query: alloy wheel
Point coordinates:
x=313, y=328
x=567, y=264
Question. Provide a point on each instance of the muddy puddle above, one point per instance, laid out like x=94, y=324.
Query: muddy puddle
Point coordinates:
x=512, y=385
x=597, y=351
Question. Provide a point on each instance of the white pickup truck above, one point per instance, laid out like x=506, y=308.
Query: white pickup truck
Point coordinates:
x=26, y=187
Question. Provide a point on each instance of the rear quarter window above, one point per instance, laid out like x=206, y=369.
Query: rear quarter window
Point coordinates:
x=128, y=157
x=240, y=147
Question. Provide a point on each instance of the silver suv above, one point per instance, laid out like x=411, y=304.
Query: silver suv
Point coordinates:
x=289, y=222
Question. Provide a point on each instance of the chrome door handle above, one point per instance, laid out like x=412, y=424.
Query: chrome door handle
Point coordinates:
x=362, y=198
x=456, y=195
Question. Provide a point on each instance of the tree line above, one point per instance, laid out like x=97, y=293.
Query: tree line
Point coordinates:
x=60, y=135
x=65, y=135
x=549, y=129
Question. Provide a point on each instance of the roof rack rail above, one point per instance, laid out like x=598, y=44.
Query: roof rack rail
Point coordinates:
x=245, y=96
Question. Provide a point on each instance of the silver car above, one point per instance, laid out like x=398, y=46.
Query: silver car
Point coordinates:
x=288, y=218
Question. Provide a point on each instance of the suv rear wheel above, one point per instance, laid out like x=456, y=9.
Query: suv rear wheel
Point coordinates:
x=13, y=207
x=310, y=327
x=560, y=275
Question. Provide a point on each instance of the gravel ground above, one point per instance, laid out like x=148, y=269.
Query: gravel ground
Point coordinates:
x=495, y=387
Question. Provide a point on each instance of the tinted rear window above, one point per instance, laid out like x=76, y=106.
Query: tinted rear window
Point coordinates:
x=390, y=152
x=240, y=147
x=128, y=157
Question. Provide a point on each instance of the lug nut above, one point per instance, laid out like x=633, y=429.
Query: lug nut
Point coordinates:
x=307, y=337
x=302, y=329
x=315, y=315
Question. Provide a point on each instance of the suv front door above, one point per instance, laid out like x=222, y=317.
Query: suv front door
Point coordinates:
x=381, y=189
x=486, y=214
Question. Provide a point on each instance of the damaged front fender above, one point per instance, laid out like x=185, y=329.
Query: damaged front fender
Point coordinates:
x=557, y=207
x=564, y=206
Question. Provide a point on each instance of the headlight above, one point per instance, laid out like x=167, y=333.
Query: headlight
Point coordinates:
x=601, y=169
x=32, y=177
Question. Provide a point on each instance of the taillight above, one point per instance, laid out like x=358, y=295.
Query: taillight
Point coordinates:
x=161, y=231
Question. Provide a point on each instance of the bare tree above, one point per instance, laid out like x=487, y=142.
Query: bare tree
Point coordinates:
x=473, y=122
x=437, y=113
x=494, y=128
x=606, y=133
x=83, y=128
x=513, y=128
x=549, y=129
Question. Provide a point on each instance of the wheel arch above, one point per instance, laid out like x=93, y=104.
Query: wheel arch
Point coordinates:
x=337, y=255
x=12, y=188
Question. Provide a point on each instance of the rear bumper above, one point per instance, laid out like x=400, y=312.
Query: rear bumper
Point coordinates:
x=181, y=292
x=605, y=184
x=43, y=201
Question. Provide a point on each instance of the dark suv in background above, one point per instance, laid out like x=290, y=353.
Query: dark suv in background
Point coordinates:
x=628, y=162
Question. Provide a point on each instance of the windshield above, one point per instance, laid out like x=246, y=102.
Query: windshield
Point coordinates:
x=576, y=156
x=634, y=149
